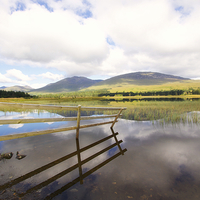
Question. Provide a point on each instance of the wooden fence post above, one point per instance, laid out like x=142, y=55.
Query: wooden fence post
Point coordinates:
x=78, y=121
x=77, y=143
x=116, y=118
x=114, y=132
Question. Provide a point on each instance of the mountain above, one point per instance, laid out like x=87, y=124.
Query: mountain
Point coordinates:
x=18, y=88
x=141, y=78
x=122, y=82
x=144, y=81
x=138, y=81
x=67, y=85
x=2, y=88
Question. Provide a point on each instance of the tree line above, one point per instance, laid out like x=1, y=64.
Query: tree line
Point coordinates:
x=75, y=94
x=173, y=92
x=14, y=94
x=98, y=93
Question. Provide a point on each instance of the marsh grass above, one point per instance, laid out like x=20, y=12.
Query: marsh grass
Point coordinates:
x=168, y=111
x=164, y=111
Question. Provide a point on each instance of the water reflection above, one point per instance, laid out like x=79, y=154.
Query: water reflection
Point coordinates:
x=150, y=99
x=19, y=128
x=162, y=162
x=23, y=189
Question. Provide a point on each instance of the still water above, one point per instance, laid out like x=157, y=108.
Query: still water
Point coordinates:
x=161, y=162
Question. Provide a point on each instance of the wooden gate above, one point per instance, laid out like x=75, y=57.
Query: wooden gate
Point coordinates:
x=77, y=153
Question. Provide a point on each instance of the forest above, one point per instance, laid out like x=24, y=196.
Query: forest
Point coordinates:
x=14, y=94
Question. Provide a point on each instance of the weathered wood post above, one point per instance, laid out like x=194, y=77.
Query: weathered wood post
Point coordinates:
x=115, y=120
x=78, y=121
x=77, y=143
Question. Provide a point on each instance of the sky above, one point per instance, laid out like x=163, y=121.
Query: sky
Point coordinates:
x=44, y=41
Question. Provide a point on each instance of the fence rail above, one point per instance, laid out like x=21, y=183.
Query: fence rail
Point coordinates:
x=71, y=108
x=55, y=107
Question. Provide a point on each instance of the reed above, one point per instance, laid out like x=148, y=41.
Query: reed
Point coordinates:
x=168, y=111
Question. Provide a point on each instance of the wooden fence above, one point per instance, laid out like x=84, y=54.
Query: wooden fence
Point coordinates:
x=71, y=108
x=78, y=151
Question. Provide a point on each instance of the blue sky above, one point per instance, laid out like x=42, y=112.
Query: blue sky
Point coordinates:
x=44, y=41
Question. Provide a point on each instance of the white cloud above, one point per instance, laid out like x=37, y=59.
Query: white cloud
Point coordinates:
x=4, y=79
x=14, y=73
x=153, y=35
x=119, y=36
x=15, y=77
x=113, y=64
x=42, y=36
x=37, y=85
x=52, y=76
x=72, y=68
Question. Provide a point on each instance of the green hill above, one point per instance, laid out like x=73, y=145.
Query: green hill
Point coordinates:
x=67, y=85
x=138, y=81
x=145, y=81
x=142, y=78
x=18, y=88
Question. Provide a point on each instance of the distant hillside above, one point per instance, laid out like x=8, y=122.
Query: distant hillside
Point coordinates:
x=18, y=88
x=131, y=81
x=67, y=85
x=142, y=78
x=144, y=81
